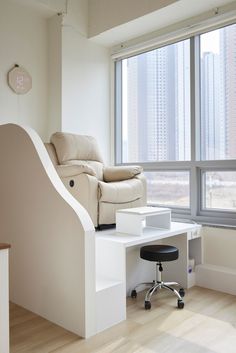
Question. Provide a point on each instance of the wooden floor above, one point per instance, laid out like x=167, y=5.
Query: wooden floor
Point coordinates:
x=207, y=324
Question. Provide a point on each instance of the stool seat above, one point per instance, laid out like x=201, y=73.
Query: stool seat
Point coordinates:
x=159, y=253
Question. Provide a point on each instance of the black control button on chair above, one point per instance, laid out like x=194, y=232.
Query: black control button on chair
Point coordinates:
x=159, y=254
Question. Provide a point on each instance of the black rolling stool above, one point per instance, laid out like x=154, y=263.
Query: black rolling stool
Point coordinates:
x=159, y=254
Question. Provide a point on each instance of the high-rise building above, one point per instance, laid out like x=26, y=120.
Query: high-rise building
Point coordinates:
x=158, y=105
x=228, y=58
x=218, y=99
x=212, y=131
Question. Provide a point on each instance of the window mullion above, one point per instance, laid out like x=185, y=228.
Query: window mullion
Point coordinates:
x=118, y=112
x=195, y=119
x=197, y=98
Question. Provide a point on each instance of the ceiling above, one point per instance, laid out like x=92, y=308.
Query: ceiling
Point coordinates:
x=174, y=13
x=46, y=8
x=151, y=22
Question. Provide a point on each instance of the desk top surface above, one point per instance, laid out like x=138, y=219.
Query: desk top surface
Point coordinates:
x=150, y=234
x=144, y=211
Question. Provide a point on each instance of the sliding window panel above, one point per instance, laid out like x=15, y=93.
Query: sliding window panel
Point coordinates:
x=219, y=190
x=169, y=188
x=156, y=105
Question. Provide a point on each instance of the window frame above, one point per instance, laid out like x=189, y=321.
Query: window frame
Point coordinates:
x=195, y=166
x=208, y=210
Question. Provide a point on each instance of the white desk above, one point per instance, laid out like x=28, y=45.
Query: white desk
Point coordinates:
x=119, y=267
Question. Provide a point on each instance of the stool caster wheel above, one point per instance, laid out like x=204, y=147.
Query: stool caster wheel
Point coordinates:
x=147, y=305
x=180, y=304
x=133, y=294
x=182, y=292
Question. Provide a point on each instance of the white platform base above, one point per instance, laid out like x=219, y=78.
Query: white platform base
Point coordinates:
x=219, y=278
x=110, y=307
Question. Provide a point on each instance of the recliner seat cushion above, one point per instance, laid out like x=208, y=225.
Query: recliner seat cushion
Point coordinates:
x=120, y=191
x=70, y=147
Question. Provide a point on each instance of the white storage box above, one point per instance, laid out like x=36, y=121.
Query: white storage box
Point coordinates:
x=135, y=220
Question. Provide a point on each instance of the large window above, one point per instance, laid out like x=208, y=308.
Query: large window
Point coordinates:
x=176, y=116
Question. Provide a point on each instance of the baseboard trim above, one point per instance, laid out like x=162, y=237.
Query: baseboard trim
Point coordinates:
x=219, y=278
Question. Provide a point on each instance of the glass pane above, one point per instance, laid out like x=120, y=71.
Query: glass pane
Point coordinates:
x=168, y=188
x=218, y=94
x=156, y=105
x=219, y=190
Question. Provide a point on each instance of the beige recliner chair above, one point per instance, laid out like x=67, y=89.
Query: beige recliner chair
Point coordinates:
x=101, y=190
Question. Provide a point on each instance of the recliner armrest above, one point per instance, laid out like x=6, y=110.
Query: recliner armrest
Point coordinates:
x=72, y=170
x=119, y=173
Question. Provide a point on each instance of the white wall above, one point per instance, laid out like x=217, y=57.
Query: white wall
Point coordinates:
x=85, y=81
x=23, y=41
x=54, y=74
x=70, y=74
x=219, y=246
x=218, y=271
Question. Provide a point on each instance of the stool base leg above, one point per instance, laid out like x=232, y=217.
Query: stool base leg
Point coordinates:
x=172, y=290
x=172, y=284
x=155, y=287
x=149, y=284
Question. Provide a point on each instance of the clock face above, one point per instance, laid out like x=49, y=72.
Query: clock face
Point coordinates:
x=19, y=80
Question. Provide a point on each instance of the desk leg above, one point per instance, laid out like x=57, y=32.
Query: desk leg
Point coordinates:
x=177, y=271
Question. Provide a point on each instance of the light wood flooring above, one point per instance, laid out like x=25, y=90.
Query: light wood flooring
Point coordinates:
x=207, y=324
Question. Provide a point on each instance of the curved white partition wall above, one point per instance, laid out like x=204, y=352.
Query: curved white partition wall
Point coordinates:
x=52, y=260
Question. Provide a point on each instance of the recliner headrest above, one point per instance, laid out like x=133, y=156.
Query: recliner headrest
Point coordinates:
x=71, y=146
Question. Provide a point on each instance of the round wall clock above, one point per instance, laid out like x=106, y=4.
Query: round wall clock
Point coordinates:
x=19, y=80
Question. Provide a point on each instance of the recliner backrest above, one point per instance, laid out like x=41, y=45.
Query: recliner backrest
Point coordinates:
x=78, y=149
x=75, y=147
